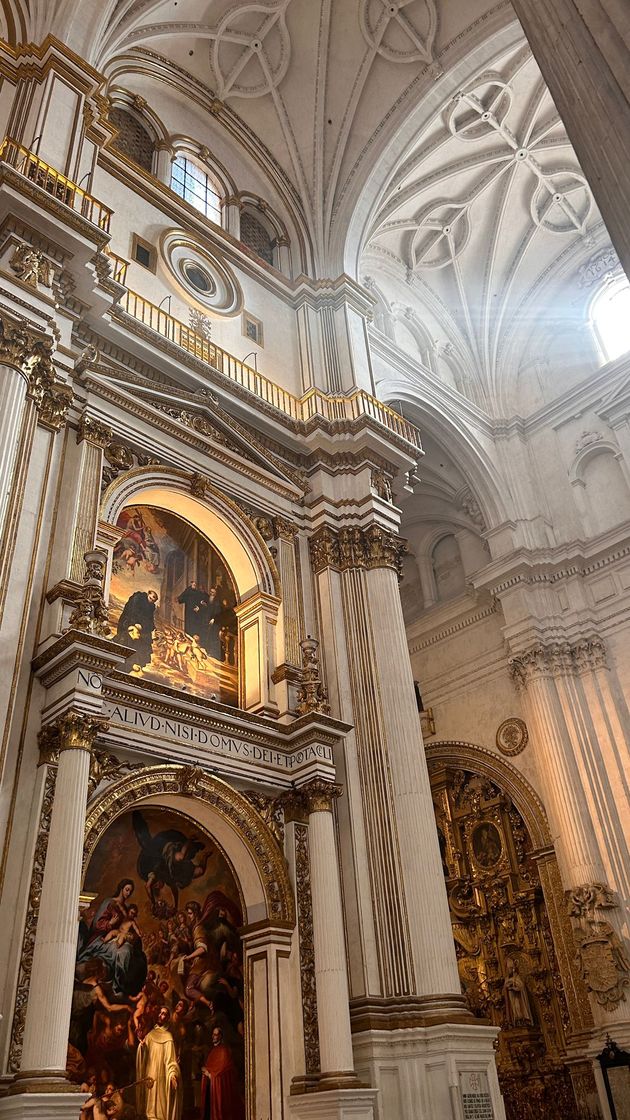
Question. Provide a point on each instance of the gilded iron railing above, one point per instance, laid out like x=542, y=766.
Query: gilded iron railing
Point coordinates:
x=314, y=402
x=54, y=183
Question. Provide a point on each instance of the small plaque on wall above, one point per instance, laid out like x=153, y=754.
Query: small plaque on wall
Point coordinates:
x=476, y=1100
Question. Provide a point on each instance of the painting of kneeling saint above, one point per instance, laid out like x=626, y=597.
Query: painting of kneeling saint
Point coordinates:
x=157, y=1027
x=172, y=600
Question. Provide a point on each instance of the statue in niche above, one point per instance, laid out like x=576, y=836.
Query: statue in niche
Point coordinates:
x=518, y=1010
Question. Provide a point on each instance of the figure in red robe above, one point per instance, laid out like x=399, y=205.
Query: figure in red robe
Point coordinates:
x=221, y=1096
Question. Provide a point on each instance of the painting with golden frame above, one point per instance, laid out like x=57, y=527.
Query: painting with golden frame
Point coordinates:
x=157, y=1023
x=486, y=844
x=172, y=599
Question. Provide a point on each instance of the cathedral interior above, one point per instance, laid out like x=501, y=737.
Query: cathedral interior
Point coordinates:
x=314, y=560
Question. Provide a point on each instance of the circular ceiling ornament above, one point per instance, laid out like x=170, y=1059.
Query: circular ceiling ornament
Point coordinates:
x=480, y=111
x=251, y=50
x=512, y=736
x=561, y=202
x=441, y=235
x=400, y=30
x=202, y=275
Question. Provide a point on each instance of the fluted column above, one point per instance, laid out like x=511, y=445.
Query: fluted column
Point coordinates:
x=433, y=951
x=12, y=397
x=331, y=975
x=93, y=437
x=581, y=746
x=414, y=943
x=583, y=50
x=52, y=976
x=26, y=370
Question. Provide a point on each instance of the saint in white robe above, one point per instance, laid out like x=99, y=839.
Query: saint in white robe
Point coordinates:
x=156, y=1058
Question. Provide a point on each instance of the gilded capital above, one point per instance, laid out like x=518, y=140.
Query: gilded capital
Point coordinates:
x=284, y=529
x=354, y=546
x=73, y=731
x=23, y=349
x=319, y=794
x=93, y=431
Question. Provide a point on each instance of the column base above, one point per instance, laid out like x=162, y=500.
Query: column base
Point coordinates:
x=422, y=1073
x=333, y=1104
x=41, y=1105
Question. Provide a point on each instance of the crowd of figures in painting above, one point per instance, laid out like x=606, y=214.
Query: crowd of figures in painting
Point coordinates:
x=157, y=1027
x=172, y=600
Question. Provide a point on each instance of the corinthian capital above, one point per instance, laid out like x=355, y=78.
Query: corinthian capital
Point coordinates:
x=93, y=431
x=318, y=795
x=353, y=546
x=557, y=659
x=73, y=731
x=23, y=349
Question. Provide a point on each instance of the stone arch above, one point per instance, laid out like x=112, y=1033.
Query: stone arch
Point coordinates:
x=220, y=810
x=242, y=547
x=269, y=934
x=603, y=499
x=455, y=752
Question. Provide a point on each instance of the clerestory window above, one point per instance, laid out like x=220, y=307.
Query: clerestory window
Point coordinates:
x=196, y=187
x=610, y=318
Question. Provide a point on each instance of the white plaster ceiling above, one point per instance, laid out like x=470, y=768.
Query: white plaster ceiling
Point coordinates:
x=323, y=84
x=477, y=238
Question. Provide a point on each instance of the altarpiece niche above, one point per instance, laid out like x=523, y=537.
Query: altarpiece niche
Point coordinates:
x=505, y=952
x=172, y=599
x=157, y=1026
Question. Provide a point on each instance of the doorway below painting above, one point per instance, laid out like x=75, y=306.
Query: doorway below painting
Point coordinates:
x=157, y=1025
x=172, y=600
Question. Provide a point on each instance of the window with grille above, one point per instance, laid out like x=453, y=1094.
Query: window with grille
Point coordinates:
x=256, y=237
x=196, y=187
x=133, y=139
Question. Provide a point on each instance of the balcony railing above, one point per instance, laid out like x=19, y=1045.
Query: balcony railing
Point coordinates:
x=54, y=183
x=313, y=403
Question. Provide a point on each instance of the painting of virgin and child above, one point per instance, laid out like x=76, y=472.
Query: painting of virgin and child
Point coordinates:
x=157, y=1026
x=172, y=600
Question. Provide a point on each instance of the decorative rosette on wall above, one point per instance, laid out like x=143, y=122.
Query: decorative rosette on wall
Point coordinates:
x=202, y=275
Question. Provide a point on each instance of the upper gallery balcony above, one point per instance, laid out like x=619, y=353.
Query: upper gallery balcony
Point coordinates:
x=59, y=197
x=51, y=187
x=298, y=413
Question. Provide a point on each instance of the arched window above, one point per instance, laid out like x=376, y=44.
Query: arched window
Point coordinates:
x=195, y=186
x=256, y=236
x=610, y=316
x=133, y=139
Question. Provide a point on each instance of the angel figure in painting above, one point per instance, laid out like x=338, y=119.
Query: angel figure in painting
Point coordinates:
x=170, y=858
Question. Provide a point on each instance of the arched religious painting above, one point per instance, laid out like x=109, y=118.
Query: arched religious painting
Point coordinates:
x=157, y=1012
x=172, y=599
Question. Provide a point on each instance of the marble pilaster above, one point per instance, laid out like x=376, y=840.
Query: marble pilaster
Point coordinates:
x=331, y=975
x=52, y=975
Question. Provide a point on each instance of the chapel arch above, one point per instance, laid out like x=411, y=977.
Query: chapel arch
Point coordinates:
x=222, y=523
x=248, y=859
x=513, y=940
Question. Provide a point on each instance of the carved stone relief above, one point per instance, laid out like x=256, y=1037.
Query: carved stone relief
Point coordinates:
x=602, y=957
